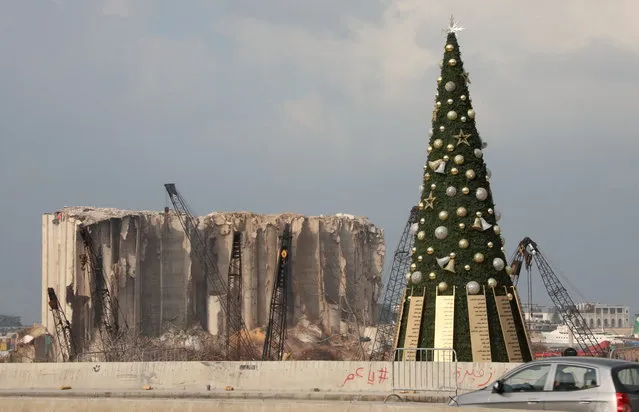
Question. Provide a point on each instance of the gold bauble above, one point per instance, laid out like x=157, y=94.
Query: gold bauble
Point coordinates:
x=413, y=266
x=422, y=221
x=430, y=250
x=433, y=186
x=509, y=296
x=461, y=211
x=450, y=47
x=454, y=171
x=490, y=210
x=421, y=205
x=439, y=79
x=426, y=176
x=463, y=243
x=429, y=149
x=420, y=258
x=442, y=286
x=462, y=226
x=438, y=143
x=452, y=62
x=452, y=255
x=479, y=257
x=443, y=215
x=465, y=190
x=450, y=147
x=449, y=101
x=413, y=250
x=441, y=64
x=471, y=113
x=446, y=158
x=432, y=276
x=459, y=159
x=467, y=267
x=452, y=115
x=497, y=229
x=509, y=270
x=478, y=214
x=490, y=245
x=442, y=128
x=470, y=174
x=438, y=104
x=463, y=97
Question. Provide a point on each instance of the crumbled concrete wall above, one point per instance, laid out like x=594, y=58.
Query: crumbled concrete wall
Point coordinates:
x=337, y=264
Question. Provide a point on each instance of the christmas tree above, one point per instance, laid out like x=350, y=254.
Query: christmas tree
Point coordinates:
x=459, y=291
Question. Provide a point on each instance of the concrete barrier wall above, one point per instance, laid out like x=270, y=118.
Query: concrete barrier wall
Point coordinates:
x=185, y=405
x=289, y=376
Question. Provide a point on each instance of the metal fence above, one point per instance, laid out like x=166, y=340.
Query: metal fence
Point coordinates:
x=425, y=370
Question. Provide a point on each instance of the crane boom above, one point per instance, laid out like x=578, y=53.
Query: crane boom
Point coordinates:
x=62, y=327
x=527, y=252
x=276, y=329
x=241, y=342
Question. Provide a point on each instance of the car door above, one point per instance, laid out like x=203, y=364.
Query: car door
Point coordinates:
x=575, y=387
x=524, y=389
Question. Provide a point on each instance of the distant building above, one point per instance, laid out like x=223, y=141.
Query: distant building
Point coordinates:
x=599, y=315
x=9, y=324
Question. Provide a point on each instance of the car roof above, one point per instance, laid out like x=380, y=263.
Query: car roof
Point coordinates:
x=585, y=360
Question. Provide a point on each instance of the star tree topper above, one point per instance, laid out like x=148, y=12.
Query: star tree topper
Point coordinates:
x=453, y=27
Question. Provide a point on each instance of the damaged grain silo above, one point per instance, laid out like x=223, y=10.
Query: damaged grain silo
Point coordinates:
x=337, y=264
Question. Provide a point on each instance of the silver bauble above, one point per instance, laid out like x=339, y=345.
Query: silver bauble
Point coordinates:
x=497, y=229
x=498, y=264
x=463, y=118
x=481, y=194
x=451, y=191
x=497, y=215
x=509, y=270
x=416, y=277
x=441, y=232
x=489, y=174
x=478, y=153
x=473, y=287
x=450, y=86
x=421, y=188
x=463, y=97
x=471, y=113
x=452, y=115
x=407, y=276
x=430, y=133
x=492, y=283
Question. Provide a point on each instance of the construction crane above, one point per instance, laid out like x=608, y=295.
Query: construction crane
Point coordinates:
x=234, y=300
x=106, y=312
x=62, y=327
x=387, y=321
x=526, y=253
x=240, y=343
x=276, y=330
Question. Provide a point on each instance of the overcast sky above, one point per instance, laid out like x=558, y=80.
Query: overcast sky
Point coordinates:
x=318, y=107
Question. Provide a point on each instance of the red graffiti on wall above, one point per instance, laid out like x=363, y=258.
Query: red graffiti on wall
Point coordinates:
x=372, y=377
x=477, y=377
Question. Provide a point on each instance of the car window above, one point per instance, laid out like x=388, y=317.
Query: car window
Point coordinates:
x=574, y=378
x=530, y=379
x=628, y=377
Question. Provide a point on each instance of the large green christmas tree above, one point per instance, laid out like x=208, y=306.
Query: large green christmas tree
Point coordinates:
x=458, y=264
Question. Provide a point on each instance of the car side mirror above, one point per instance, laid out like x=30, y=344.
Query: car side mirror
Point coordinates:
x=498, y=387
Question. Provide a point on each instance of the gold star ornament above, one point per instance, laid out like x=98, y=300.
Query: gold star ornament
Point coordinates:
x=429, y=202
x=462, y=137
x=466, y=77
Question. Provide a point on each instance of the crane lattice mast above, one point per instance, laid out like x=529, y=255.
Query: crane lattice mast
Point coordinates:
x=276, y=329
x=388, y=318
x=241, y=343
x=234, y=300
